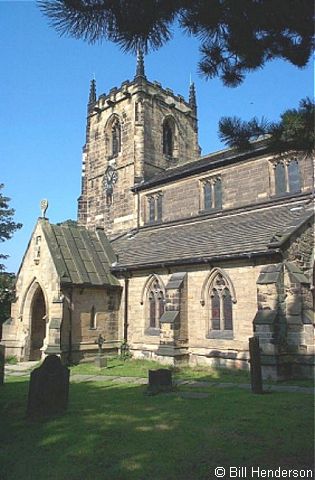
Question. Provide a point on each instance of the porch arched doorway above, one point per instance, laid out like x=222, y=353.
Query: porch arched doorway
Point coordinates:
x=38, y=324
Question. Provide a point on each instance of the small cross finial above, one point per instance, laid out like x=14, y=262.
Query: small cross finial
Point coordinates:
x=43, y=207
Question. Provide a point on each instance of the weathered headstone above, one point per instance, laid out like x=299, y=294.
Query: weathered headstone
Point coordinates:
x=160, y=380
x=100, y=360
x=49, y=389
x=255, y=365
x=2, y=350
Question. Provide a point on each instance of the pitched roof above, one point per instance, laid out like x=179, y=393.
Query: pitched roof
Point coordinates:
x=203, y=164
x=228, y=235
x=81, y=256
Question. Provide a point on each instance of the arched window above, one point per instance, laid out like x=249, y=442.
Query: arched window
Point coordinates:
x=280, y=178
x=116, y=138
x=168, y=138
x=155, y=304
x=221, y=305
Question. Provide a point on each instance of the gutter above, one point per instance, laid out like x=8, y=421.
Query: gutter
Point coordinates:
x=196, y=260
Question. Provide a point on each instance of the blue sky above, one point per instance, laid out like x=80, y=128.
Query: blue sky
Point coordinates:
x=44, y=90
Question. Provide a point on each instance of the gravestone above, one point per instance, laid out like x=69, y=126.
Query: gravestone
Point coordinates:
x=100, y=360
x=2, y=349
x=49, y=389
x=255, y=365
x=160, y=380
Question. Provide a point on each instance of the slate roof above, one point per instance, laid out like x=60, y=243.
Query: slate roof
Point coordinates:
x=228, y=235
x=204, y=163
x=81, y=256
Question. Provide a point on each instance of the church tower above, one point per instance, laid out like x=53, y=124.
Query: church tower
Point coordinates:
x=133, y=133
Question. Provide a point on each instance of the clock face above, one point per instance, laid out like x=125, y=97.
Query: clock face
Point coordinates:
x=111, y=177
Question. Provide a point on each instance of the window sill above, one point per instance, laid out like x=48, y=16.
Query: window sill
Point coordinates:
x=210, y=210
x=153, y=332
x=114, y=156
x=285, y=194
x=221, y=334
x=170, y=158
x=154, y=222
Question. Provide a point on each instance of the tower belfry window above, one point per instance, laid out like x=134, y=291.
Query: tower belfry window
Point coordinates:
x=116, y=138
x=168, y=140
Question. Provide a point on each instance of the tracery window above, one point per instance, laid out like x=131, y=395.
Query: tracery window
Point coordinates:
x=155, y=304
x=221, y=311
x=287, y=176
x=211, y=194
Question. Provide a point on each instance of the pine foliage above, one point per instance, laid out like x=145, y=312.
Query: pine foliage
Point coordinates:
x=236, y=36
x=294, y=131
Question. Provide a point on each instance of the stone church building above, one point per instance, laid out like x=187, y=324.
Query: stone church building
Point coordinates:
x=181, y=256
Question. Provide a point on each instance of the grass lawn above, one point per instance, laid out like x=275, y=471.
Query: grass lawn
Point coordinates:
x=117, y=432
x=139, y=368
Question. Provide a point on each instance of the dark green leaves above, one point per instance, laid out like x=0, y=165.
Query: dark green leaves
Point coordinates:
x=236, y=36
x=294, y=131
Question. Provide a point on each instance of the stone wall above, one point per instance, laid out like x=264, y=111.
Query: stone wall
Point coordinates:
x=37, y=273
x=94, y=313
x=140, y=107
x=183, y=198
x=232, y=352
x=283, y=322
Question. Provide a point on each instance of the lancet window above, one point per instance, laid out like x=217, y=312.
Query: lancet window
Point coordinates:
x=154, y=208
x=287, y=177
x=211, y=193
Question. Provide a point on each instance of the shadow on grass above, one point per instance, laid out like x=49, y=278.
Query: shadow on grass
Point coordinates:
x=115, y=431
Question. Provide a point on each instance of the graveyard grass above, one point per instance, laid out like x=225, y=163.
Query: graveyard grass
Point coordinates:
x=116, y=431
x=139, y=368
